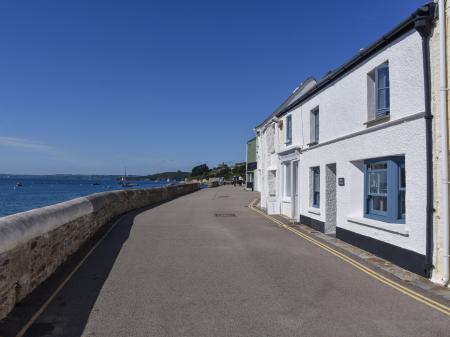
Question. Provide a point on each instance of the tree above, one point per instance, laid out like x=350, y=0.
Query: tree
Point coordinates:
x=199, y=170
x=238, y=170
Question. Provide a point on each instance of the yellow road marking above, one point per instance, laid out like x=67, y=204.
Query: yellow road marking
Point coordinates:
x=418, y=297
x=25, y=328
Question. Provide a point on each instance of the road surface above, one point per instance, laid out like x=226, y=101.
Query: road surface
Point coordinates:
x=206, y=265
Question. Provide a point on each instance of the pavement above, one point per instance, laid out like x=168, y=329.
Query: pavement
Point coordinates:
x=206, y=265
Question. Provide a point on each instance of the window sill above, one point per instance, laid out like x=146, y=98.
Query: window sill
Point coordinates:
x=312, y=143
x=314, y=210
x=377, y=121
x=396, y=228
x=287, y=200
x=288, y=142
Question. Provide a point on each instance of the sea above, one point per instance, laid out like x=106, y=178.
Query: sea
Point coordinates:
x=40, y=191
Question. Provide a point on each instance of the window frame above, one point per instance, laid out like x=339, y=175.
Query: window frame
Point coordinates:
x=384, y=111
x=374, y=111
x=393, y=171
x=315, y=173
x=314, y=126
x=288, y=139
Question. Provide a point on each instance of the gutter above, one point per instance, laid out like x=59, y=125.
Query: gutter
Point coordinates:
x=444, y=143
x=423, y=23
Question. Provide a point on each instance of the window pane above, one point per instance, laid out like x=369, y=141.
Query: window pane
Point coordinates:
x=402, y=203
x=373, y=183
x=379, y=204
x=402, y=177
x=289, y=128
x=378, y=182
x=316, y=180
x=383, y=182
x=383, y=95
x=315, y=186
x=316, y=198
x=377, y=166
x=316, y=127
x=383, y=77
x=388, y=99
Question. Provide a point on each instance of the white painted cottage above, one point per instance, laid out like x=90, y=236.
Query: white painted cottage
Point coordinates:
x=350, y=154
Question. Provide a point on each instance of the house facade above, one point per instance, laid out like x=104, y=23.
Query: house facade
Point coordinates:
x=251, y=165
x=351, y=153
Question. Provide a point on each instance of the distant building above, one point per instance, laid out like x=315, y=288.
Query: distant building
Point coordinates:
x=251, y=164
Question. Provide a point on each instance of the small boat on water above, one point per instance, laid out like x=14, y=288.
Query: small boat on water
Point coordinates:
x=19, y=184
x=96, y=184
x=124, y=181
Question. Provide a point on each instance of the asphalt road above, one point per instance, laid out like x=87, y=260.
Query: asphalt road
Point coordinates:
x=206, y=265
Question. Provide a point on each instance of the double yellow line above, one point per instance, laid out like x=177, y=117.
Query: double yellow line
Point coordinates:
x=418, y=297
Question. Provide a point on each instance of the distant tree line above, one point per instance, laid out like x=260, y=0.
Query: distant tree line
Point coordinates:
x=198, y=172
x=221, y=171
x=178, y=175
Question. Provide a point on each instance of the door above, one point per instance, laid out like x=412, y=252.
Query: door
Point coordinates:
x=295, y=206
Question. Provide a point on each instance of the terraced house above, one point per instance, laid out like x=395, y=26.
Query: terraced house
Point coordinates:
x=351, y=154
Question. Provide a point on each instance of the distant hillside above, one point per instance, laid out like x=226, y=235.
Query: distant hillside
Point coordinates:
x=179, y=175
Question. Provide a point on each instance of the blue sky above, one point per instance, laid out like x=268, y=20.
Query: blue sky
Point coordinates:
x=93, y=86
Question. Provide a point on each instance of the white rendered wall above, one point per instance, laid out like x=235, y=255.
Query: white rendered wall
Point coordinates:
x=406, y=139
x=343, y=112
x=343, y=105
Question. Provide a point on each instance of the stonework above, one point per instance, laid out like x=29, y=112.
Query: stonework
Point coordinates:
x=25, y=264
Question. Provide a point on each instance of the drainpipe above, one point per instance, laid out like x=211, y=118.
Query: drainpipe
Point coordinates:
x=444, y=143
x=423, y=24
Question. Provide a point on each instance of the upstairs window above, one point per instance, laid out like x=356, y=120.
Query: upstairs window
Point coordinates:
x=288, y=129
x=315, y=187
x=385, y=189
x=314, y=126
x=378, y=93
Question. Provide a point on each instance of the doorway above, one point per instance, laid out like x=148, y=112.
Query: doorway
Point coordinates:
x=331, y=202
x=295, y=205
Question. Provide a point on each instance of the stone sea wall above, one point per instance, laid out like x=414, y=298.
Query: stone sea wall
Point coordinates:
x=34, y=244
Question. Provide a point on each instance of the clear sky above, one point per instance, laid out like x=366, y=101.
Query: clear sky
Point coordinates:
x=91, y=86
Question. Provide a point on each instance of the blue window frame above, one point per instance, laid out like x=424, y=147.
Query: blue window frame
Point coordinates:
x=289, y=129
x=315, y=184
x=383, y=101
x=385, y=189
x=402, y=190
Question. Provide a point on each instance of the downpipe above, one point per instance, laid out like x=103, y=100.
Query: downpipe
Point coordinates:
x=423, y=24
x=444, y=143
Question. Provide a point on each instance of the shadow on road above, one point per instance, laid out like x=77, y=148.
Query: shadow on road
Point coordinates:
x=69, y=311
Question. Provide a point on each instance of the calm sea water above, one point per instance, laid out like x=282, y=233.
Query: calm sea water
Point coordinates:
x=39, y=191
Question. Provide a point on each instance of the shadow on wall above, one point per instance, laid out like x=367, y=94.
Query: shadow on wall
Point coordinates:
x=68, y=313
